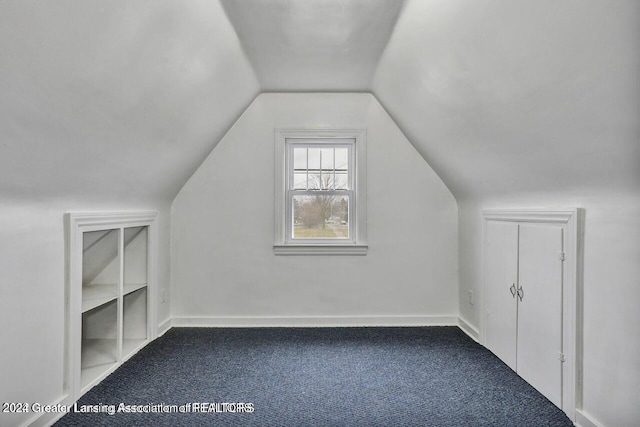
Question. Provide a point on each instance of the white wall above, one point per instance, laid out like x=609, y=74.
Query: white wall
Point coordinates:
x=103, y=106
x=32, y=285
x=521, y=104
x=611, y=292
x=222, y=226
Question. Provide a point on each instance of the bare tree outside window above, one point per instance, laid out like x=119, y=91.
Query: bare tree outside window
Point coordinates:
x=323, y=171
x=321, y=217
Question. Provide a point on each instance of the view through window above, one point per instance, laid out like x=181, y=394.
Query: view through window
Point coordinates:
x=320, y=189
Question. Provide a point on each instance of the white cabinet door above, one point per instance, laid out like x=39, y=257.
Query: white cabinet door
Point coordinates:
x=540, y=309
x=501, y=278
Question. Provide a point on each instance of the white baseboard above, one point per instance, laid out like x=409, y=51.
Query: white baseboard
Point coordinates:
x=468, y=329
x=165, y=326
x=42, y=419
x=312, y=321
x=585, y=420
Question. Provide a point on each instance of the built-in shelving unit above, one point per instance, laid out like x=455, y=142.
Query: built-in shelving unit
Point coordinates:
x=100, y=272
x=99, y=348
x=135, y=321
x=110, y=293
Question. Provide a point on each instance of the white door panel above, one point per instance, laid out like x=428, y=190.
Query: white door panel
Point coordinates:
x=539, y=335
x=501, y=277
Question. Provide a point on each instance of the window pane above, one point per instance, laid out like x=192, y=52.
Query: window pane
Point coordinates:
x=326, y=180
x=326, y=163
x=300, y=181
x=342, y=159
x=315, y=182
x=300, y=158
x=320, y=217
x=342, y=180
x=327, y=158
x=314, y=159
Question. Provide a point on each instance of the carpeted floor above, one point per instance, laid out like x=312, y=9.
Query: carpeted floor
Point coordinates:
x=433, y=376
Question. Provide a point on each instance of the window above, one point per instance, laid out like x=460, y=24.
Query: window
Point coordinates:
x=320, y=196
x=319, y=190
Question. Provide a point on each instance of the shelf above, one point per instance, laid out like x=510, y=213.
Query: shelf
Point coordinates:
x=98, y=356
x=132, y=287
x=95, y=295
x=131, y=346
x=89, y=375
x=99, y=344
x=135, y=255
x=134, y=321
x=110, y=284
x=100, y=261
x=98, y=352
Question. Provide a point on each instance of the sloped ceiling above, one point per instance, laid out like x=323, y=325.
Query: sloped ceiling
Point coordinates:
x=504, y=96
x=314, y=45
x=128, y=97
x=114, y=98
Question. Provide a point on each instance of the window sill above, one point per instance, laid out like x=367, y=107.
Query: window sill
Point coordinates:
x=294, y=249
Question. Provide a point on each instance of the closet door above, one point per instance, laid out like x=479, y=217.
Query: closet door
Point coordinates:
x=501, y=278
x=540, y=309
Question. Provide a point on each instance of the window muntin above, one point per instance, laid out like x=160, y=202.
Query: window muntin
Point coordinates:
x=320, y=196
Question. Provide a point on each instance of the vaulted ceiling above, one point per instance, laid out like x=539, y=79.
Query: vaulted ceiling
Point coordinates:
x=315, y=45
x=128, y=97
x=114, y=99
x=519, y=96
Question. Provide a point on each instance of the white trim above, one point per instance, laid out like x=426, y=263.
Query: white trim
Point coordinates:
x=312, y=321
x=165, y=326
x=293, y=249
x=153, y=288
x=359, y=189
x=533, y=215
x=99, y=220
x=76, y=224
x=585, y=420
x=571, y=219
x=466, y=327
x=47, y=418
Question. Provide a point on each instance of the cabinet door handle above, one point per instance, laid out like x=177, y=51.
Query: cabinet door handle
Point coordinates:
x=520, y=292
x=513, y=289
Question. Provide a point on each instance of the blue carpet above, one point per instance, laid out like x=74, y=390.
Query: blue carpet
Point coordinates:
x=433, y=376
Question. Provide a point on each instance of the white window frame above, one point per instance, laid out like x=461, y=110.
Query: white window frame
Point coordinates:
x=356, y=244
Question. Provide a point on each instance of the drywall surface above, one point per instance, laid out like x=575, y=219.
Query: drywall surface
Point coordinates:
x=611, y=377
x=223, y=225
x=303, y=45
x=536, y=104
x=116, y=98
x=32, y=285
x=518, y=96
